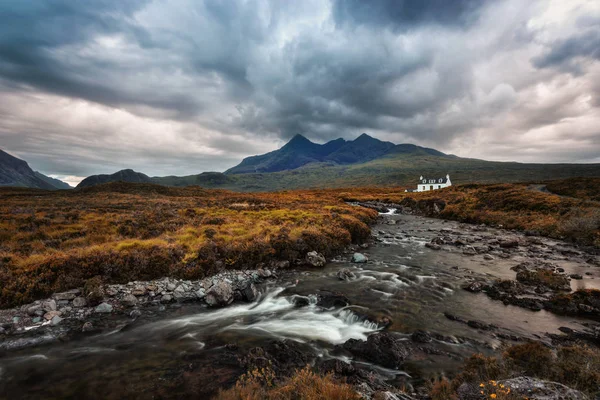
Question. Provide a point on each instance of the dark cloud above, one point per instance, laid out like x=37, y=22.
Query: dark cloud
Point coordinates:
x=89, y=87
x=568, y=52
x=406, y=14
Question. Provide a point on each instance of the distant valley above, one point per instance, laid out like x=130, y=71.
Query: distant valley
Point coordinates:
x=301, y=163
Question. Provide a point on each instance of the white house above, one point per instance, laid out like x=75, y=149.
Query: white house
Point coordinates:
x=426, y=184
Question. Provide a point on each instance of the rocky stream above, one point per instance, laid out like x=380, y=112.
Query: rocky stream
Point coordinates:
x=423, y=295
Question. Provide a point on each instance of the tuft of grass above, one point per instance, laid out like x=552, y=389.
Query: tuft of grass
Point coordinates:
x=304, y=384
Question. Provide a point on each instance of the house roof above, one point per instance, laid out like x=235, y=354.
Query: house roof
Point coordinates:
x=433, y=180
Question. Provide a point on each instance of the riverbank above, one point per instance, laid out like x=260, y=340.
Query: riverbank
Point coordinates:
x=342, y=318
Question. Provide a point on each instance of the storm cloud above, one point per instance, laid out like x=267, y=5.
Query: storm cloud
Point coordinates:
x=183, y=86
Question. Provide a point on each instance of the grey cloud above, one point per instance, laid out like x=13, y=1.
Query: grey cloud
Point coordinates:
x=406, y=14
x=237, y=77
x=565, y=52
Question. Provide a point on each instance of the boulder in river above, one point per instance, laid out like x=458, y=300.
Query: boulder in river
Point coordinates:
x=332, y=300
x=103, y=308
x=315, y=259
x=381, y=348
x=220, y=294
x=129, y=300
x=346, y=275
x=359, y=258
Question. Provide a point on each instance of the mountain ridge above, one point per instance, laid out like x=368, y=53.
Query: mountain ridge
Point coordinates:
x=17, y=172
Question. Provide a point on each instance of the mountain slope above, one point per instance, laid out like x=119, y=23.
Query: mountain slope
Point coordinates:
x=16, y=172
x=363, y=148
x=300, y=152
x=125, y=175
x=54, y=182
x=297, y=152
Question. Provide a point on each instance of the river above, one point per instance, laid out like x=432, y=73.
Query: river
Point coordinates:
x=404, y=281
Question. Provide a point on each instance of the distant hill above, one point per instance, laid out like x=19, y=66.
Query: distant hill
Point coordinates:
x=125, y=175
x=365, y=161
x=300, y=151
x=16, y=172
x=54, y=182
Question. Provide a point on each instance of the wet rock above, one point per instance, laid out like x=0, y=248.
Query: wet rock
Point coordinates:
x=55, y=320
x=34, y=310
x=79, y=302
x=200, y=293
x=300, y=301
x=359, y=258
x=315, y=259
x=537, y=389
x=468, y=391
x=135, y=313
x=575, y=276
x=250, y=293
x=167, y=298
x=480, y=325
x=381, y=348
x=346, y=275
x=87, y=327
x=103, y=308
x=469, y=251
x=49, y=305
x=545, y=279
x=331, y=300
x=508, y=244
x=64, y=296
x=129, y=300
x=474, y=287
x=220, y=294
x=433, y=246
x=420, y=336
x=488, y=257
x=51, y=314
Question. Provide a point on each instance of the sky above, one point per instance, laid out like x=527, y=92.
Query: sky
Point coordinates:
x=178, y=87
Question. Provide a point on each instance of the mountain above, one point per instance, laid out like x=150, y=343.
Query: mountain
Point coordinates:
x=16, y=172
x=300, y=151
x=362, y=149
x=54, y=182
x=297, y=152
x=125, y=175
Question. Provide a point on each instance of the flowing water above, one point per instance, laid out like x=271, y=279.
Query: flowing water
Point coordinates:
x=403, y=280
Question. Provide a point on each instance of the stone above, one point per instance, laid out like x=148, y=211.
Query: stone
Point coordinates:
x=87, y=327
x=346, y=275
x=315, y=259
x=332, y=300
x=64, y=296
x=36, y=320
x=420, y=336
x=135, y=313
x=180, y=289
x=200, y=294
x=250, y=293
x=79, y=302
x=537, y=389
x=488, y=257
x=33, y=310
x=166, y=298
x=575, y=276
x=171, y=286
x=381, y=348
x=469, y=251
x=103, y=308
x=129, y=300
x=51, y=314
x=474, y=287
x=49, y=305
x=433, y=246
x=359, y=258
x=55, y=320
x=220, y=294
x=508, y=244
